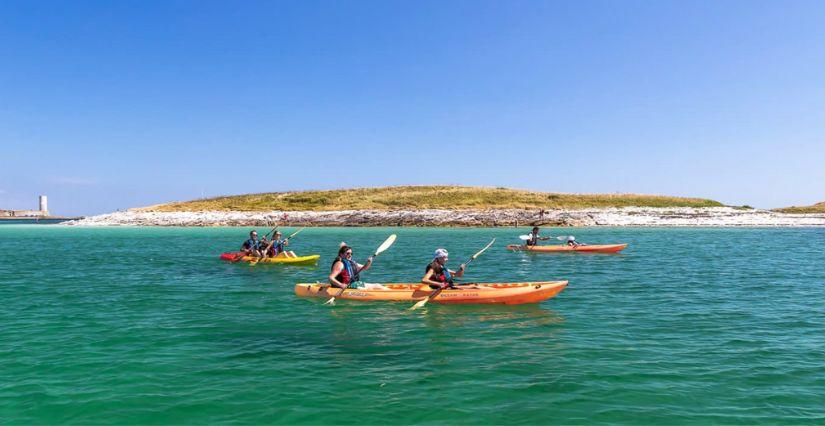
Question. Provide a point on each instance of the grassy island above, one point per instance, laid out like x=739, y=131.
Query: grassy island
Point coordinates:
x=424, y=197
x=816, y=208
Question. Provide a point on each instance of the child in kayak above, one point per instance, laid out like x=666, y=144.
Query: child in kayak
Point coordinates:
x=252, y=246
x=438, y=275
x=571, y=241
x=534, y=237
x=345, y=272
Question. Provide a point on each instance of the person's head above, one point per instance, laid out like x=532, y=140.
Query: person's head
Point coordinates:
x=345, y=252
x=441, y=256
x=253, y=234
x=277, y=235
x=535, y=230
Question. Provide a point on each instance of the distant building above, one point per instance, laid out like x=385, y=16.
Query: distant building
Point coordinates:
x=44, y=210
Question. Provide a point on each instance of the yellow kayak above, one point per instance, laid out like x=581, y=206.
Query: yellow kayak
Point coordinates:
x=300, y=260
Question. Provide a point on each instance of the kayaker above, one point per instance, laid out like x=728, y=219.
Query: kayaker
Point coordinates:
x=276, y=247
x=345, y=272
x=438, y=275
x=534, y=237
x=252, y=246
x=571, y=241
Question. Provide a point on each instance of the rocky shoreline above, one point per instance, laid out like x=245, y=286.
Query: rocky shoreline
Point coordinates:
x=626, y=216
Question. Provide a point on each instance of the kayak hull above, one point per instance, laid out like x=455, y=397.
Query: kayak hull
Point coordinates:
x=300, y=260
x=597, y=248
x=472, y=293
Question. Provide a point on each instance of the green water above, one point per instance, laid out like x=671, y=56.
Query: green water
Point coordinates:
x=147, y=326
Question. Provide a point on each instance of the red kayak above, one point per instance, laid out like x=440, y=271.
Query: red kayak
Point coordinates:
x=596, y=248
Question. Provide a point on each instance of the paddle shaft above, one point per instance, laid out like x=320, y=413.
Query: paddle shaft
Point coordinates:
x=287, y=239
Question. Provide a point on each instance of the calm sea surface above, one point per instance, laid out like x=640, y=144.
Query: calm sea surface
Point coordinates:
x=148, y=326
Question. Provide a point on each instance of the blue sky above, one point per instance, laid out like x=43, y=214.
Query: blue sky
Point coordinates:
x=109, y=105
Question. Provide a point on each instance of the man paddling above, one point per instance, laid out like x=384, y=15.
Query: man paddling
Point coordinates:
x=534, y=237
x=345, y=271
x=438, y=276
x=252, y=246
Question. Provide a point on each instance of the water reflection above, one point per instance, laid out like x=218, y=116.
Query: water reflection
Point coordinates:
x=508, y=315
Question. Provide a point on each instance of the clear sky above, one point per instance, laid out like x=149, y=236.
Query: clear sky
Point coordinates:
x=115, y=104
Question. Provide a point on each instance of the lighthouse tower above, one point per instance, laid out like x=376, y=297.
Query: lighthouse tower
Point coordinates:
x=44, y=206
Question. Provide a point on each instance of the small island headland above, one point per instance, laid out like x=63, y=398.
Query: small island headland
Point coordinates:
x=812, y=209
x=448, y=206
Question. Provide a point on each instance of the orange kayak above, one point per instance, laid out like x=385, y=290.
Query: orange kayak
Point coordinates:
x=477, y=293
x=597, y=248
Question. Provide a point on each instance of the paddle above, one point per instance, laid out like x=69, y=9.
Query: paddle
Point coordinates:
x=266, y=250
x=528, y=237
x=565, y=237
x=273, y=230
x=423, y=302
x=384, y=246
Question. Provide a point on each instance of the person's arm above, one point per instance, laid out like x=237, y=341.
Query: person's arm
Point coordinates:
x=336, y=269
x=544, y=238
x=460, y=272
x=427, y=279
x=268, y=246
x=363, y=267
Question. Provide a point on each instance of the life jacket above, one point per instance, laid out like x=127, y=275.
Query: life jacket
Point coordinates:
x=440, y=273
x=348, y=273
x=252, y=244
x=277, y=248
x=533, y=240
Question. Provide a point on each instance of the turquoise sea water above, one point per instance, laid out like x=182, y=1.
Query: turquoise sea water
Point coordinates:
x=147, y=326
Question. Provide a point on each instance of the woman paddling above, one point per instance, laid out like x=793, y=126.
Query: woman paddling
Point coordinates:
x=277, y=246
x=345, y=272
x=438, y=275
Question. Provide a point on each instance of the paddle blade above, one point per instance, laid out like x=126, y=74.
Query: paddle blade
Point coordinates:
x=482, y=250
x=385, y=245
x=331, y=301
x=419, y=304
x=524, y=237
x=295, y=233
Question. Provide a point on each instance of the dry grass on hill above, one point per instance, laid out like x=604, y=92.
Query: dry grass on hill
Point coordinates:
x=425, y=197
x=816, y=208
